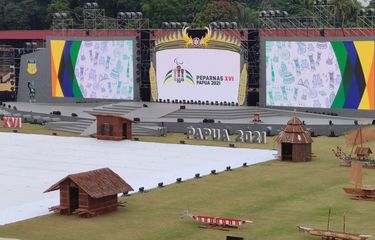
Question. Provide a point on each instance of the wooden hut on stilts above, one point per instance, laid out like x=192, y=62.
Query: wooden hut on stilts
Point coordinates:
x=91, y=193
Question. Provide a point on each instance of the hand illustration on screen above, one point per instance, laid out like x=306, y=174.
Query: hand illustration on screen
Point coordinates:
x=312, y=62
x=318, y=58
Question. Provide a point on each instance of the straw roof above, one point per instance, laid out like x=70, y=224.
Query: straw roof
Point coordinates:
x=97, y=183
x=294, y=132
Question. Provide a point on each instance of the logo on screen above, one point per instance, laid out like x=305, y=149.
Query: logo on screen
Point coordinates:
x=31, y=66
x=178, y=74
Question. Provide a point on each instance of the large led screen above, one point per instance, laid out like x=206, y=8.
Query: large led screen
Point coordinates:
x=335, y=74
x=198, y=74
x=92, y=69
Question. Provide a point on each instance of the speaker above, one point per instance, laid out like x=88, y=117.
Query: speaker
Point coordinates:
x=56, y=112
x=180, y=120
x=182, y=107
x=209, y=120
x=137, y=119
x=234, y=238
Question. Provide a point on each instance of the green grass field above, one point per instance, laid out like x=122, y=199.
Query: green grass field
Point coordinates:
x=276, y=195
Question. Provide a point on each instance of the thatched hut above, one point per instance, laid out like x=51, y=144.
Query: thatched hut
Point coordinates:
x=294, y=142
x=89, y=193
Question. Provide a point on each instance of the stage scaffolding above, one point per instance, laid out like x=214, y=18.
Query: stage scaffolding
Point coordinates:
x=93, y=19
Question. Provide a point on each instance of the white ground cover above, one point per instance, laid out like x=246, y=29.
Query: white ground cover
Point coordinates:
x=29, y=164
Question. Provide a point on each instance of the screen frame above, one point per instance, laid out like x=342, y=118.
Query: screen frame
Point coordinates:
x=136, y=84
x=242, y=62
x=263, y=68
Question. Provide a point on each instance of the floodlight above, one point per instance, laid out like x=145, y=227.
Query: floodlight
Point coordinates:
x=271, y=13
x=164, y=25
x=263, y=13
x=57, y=16
x=371, y=12
x=362, y=12
x=128, y=15
x=64, y=15
x=120, y=15
x=134, y=15
x=173, y=25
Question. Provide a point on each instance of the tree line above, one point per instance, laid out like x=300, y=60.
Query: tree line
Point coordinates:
x=37, y=14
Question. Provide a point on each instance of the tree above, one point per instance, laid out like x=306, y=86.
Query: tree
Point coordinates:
x=295, y=7
x=343, y=10
x=14, y=17
x=159, y=11
x=226, y=11
x=57, y=6
x=372, y=4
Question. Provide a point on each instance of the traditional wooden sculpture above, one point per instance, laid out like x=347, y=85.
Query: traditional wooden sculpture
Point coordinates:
x=216, y=222
x=333, y=235
x=361, y=153
x=360, y=191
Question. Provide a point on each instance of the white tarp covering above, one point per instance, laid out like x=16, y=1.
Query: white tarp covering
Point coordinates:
x=29, y=164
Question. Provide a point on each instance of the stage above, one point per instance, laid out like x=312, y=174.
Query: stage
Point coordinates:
x=154, y=117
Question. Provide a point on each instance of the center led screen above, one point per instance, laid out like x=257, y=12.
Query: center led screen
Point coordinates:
x=198, y=74
x=92, y=69
x=335, y=74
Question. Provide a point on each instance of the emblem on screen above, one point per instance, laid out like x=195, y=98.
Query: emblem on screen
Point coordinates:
x=31, y=66
x=178, y=74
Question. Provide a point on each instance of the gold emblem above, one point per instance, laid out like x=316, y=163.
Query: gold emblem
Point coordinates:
x=31, y=67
